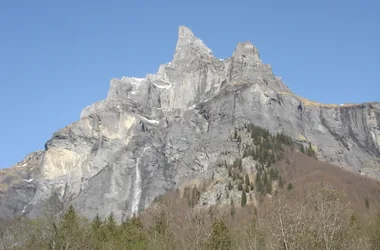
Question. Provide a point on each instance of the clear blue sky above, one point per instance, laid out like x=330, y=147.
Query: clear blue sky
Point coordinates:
x=57, y=57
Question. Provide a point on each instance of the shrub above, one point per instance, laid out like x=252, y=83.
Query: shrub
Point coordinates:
x=366, y=202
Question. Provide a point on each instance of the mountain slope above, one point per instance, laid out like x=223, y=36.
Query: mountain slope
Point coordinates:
x=154, y=134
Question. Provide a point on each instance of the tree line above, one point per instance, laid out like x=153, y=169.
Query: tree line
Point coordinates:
x=320, y=219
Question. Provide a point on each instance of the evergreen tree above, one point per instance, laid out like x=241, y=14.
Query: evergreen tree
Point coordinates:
x=238, y=165
x=133, y=234
x=246, y=152
x=252, y=186
x=195, y=195
x=69, y=219
x=96, y=223
x=246, y=188
x=269, y=186
x=254, y=154
x=234, y=175
x=68, y=232
x=230, y=186
x=243, y=198
x=259, y=184
x=110, y=227
x=97, y=231
x=280, y=182
x=186, y=194
x=233, y=211
x=273, y=173
x=229, y=170
x=310, y=151
x=272, y=157
x=247, y=182
x=220, y=238
x=265, y=183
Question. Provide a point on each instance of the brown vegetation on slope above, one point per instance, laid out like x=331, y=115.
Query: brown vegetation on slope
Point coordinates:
x=305, y=172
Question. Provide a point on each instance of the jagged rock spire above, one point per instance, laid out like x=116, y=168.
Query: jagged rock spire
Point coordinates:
x=189, y=46
x=246, y=53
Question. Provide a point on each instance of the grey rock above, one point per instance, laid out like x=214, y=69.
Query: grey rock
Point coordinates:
x=18, y=186
x=154, y=134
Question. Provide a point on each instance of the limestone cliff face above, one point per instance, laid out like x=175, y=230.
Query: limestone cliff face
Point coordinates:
x=156, y=133
x=18, y=186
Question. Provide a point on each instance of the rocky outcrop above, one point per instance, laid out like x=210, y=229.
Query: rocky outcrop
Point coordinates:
x=156, y=133
x=18, y=186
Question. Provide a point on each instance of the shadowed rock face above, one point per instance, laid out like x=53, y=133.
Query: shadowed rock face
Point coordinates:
x=153, y=134
x=18, y=186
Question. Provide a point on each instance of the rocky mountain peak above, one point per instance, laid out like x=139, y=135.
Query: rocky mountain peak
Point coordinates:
x=189, y=46
x=156, y=133
x=247, y=53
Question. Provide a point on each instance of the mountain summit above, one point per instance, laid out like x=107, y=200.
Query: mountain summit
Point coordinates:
x=188, y=44
x=175, y=127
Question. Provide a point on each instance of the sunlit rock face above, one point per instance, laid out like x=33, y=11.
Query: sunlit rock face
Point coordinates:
x=156, y=133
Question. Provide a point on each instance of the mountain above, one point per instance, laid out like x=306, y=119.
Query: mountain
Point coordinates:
x=174, y=128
